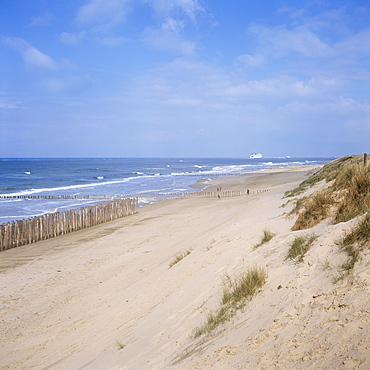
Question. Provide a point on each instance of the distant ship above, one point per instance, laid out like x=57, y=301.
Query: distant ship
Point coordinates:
x=255, y=155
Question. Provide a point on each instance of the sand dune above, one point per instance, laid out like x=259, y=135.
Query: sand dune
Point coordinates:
x=106, y=298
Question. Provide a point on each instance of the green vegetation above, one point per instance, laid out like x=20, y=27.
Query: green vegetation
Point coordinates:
x=299, y=204
x=315, y=209
x=329, y=172
x=354, y=242
x=266, y=237
x=214, y=319
x=179, y=257
x=300, y=246
x=244, y=286
x=353, y=187
x=346, y=198
x=235, y=295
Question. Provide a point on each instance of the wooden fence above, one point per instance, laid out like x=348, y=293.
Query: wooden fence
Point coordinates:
x=21, y=232
x=223, y=193
x=152, y=198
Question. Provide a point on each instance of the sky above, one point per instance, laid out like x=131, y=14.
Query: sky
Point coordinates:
x=184, y=78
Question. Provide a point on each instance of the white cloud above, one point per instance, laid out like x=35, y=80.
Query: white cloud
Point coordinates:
x=113, y=41
x=256, y=89
x=105, y=13
x=248, y=60
x=72, y=38
x=292, y=12
x=66, y=84
x=337, y=116
x=44, y=19
x=36, y=58
x=172, y=25
x=171, y=18
x=14, y=105
x=169, y=37
x=282, y=89
x=167, y=8
x=280, y=41
x=355, y=45
x=184, y=102
x=31, y=56
x=195, y=84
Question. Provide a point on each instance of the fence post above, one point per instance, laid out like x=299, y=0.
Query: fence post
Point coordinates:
x=34, y=229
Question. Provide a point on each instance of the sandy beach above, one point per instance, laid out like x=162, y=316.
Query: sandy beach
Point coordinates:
x=107, y=298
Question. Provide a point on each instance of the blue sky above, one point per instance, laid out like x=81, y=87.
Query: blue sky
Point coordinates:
x=184, y=78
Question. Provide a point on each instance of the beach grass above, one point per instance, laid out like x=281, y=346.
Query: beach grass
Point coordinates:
x=315, y=209
x=353, y=243
x=244, y=286
x=214, y=320
x=347, y=197
x=298, y=205
x=267, y=235
x=328, y=173
x=300, y=246
x=353, y=186
x=235, y=295
x=179, y=257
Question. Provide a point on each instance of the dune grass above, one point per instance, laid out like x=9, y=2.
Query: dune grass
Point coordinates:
x=353, y=186
x=179, y=257
x=300, y=246
x=235, y=295
x=214, y=320
x=244, y=286
x=346, y=198
x=328, y=173
x=267, y=235
x=353, y=243
x=315, y=209
x=298, y=205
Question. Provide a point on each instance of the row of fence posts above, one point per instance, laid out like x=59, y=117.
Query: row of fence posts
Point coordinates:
x=223, y=193
x=21, y=232
x=202, y=194
x=34, y=229
x=147, y=198
x=214, y=194
x=89, y=197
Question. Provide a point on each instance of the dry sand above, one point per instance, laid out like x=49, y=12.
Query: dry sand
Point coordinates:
x=105, y=298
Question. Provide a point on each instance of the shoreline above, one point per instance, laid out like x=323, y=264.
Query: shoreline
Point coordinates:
x=234, y=183
x=106, y=297
x=242, y=181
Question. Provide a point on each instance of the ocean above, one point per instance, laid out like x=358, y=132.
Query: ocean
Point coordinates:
x=113, y=176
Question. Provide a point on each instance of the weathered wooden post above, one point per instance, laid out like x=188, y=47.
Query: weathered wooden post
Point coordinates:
x=365, y=159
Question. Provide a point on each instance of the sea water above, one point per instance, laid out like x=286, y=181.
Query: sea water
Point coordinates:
x=113, y=176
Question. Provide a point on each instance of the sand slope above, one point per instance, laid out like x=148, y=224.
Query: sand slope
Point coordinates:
x=105, y=298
